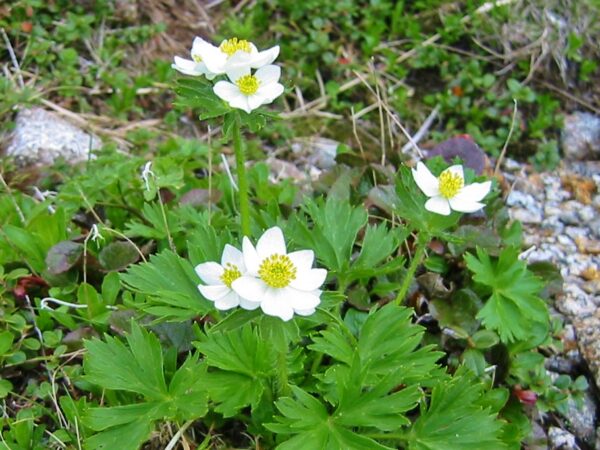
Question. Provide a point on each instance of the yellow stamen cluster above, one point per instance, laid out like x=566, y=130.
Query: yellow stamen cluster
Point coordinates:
x=197, y=59
x=450, y=184
x=230, y=46
x=230, y=274
x=248, y=84
x=277, y=271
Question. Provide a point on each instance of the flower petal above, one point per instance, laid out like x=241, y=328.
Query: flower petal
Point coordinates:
x=237, y=66
x=465, y=206
x=247, y=304
x=270, y=92
x=426, y=181
x=250, y=288
x=456, y=169
x=251, y=259
x=233, y=256
x=231, y=94
x=299, y=299
x=265, y=57
x=271, y=242
x=438, y=205
x=188, y=67
x=254, y=101
x=474, y=192
x=275, y=304
x=231, y=300
x=210, y=272
x=212, y=56
x=309, y=280
x=268, y=74
x=226, y=90
x=305, y=312
x=302, y=259
x=213, y=292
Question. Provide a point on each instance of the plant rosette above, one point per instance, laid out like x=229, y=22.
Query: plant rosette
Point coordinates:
x=281, y=283
x=249, y=91
x=448, y=191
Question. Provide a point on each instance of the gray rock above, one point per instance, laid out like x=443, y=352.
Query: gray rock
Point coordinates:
x=41, y=137
x=582, y=418
x=587, y=214
x=581, y=136
x=576, y=303
x=561, y=439
x=518, y=198
x=525, y=215
x=588, y=331
x=595, y=228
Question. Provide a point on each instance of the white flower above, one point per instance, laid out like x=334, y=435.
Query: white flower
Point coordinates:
x=196, y=66
x=281, y=283
x=448, y=191
x=219, y=277
x=233, y=53
x=247, y=91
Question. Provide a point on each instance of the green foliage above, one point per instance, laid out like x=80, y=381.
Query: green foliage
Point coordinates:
x=139, y=368
x=456, y=418
x=169, y=284
x=242, y=364
x=513, y=307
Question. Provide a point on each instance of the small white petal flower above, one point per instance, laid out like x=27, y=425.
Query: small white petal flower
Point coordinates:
x=247, y=91
x=196, y=66
x=448, y=191
x=282, y=283
x=234, y=53
x=218, y=279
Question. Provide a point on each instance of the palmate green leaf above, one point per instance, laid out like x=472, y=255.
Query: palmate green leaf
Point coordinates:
x=137, y=367
x=308, y=419
x=198, y=94
x=241, y=363
x=375, y=406
x=336, y=224
x=129, y=436
x=388, y=342
x=455, y=420
x=99, y=419
x=233, y=391
x=168, y=280
x=513, y=302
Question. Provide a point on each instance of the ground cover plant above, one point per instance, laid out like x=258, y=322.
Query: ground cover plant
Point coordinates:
x=170, y=293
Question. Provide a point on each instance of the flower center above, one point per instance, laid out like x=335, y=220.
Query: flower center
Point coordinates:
x=197, y=59
x=230, y=46
x=230, y=274
x=277, y=271
x=450, y=184
x=248, y=84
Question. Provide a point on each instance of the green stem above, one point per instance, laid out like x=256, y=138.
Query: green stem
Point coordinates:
x=421, y=245
x=240, y=162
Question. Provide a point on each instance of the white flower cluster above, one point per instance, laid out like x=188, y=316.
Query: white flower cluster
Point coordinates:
x=281, y=284
x=448, y=191
x=235, y=58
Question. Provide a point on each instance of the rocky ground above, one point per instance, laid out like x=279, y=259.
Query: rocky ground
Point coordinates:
x=559, y=212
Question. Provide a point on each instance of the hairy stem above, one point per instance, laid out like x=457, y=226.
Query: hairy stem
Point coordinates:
x=420, y=245
x=240, y=162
